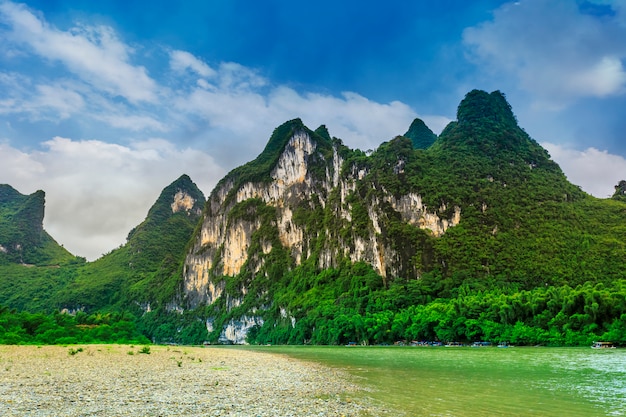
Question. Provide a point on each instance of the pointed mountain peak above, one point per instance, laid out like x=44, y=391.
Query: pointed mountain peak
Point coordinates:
x=187, y=196
x=480, y=107
x=420, y=134
x=486, y=126
x=168, y=225
x=323, y=132
x=181, y=195
x=285, y=138
x=279, y=138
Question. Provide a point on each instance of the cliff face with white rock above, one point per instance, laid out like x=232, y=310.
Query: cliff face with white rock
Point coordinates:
x=305, y=199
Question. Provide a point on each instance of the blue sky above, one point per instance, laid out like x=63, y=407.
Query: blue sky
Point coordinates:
x=103, y=104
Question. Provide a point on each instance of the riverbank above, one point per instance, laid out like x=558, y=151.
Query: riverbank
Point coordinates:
x=119, y=380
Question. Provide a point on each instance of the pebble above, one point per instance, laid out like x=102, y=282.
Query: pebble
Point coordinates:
x=105, y=380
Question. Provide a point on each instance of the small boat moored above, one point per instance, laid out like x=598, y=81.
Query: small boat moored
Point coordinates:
x=603, y=345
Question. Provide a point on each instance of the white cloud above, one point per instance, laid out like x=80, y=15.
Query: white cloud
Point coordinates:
x=95, y=54
x=602, y=79
x=96, y=192
x=54, y=101
x=63, y=101
x=552, y=50
x=360, y=122
x=595, y=171
x=133, y=123
x=183, y=60
x=245, y=112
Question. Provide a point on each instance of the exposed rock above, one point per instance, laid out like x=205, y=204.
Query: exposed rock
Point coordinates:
x=182, y=202
x=228, y=245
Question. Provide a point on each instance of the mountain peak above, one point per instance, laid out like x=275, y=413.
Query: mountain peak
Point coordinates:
x=480, y=107
x=279, y=138
x=284, y=138
x=21, y=218
x=487, y=127
x=182, y=195
x=8, y=194
x=420, y=134
x=323, y=132
x=188, y=197
x=22, y=236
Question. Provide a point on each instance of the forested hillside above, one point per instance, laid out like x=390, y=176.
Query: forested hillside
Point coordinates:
x=333, y=245
x=113, y=292
x=471, y=235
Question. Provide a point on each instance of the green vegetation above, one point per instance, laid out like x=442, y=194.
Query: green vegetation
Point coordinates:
x=533, y=260
x=72, y=351
x=338, y=306
x=22, y=238
x=145, y=272
x=620, y=191
x=525, y=231
x=421, y=136
x=147, y=269
x=63, y=328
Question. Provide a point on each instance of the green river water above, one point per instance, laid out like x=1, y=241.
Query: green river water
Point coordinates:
x=485, y=381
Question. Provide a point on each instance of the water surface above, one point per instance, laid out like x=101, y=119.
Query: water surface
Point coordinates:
x=486, y=381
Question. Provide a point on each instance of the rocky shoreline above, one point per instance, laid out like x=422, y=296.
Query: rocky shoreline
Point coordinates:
x=119, y=380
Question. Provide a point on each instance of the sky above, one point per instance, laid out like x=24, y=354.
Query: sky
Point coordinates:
x=104, y=104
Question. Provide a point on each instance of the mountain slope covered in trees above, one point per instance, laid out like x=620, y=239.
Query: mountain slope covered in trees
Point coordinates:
x=474, y=234
x=314, y=242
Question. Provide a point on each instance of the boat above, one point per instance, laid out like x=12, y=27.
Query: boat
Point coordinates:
x=603, y=345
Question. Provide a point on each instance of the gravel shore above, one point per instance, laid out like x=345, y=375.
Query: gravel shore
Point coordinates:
x=118, y=380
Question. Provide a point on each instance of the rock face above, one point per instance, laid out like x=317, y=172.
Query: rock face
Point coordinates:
x=183, y=202
x=305, y=199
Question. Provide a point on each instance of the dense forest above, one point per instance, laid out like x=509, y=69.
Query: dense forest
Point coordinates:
x=352, y=304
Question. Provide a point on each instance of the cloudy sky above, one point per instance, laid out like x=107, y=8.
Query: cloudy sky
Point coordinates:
x=103, y=104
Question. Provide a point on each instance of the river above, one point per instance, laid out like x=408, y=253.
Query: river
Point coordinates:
x=485, y=381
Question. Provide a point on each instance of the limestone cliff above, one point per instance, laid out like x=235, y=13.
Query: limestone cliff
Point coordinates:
x=306, y=199
x=277, y=233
